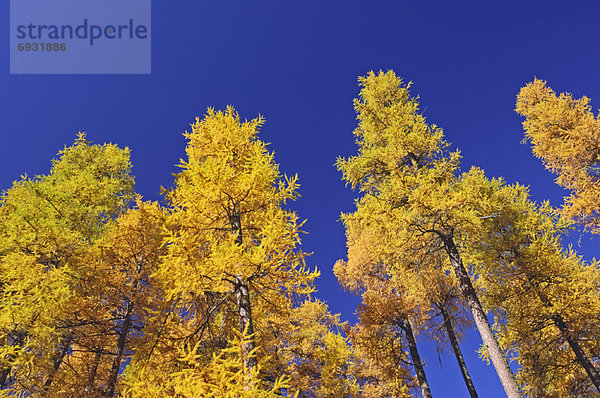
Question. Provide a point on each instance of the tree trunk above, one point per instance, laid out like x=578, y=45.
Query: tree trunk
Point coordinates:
x=457, y=352
x=483, y=325
x=245, y=319
x=57, y=361
x=116, y=365
x=90, y=385
x=123, y=333
x=3, y=376
x=582, y=358
x=579, y=353
x=242, y=295
x=416, y=359
x=15, y=338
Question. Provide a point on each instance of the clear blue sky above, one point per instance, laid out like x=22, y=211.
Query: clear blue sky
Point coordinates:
x=296, y=63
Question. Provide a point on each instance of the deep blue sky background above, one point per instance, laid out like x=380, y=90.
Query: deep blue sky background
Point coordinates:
x=297, y=63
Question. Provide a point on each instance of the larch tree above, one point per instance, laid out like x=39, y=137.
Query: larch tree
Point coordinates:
x=116, y=301
x=403, y=296
x=565, y=134
x=409, y=186
x=384, y=334
x=49, y=226
x=131, y=254
x=121, y=301
x=546, y=300
x=447, y=318
x=381, y=362
x=316, y=356
x=234, y=273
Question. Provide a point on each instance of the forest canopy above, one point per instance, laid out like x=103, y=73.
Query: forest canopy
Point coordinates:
x=208, y=292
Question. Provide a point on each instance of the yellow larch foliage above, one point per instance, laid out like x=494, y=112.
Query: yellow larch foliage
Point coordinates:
x=120, y=301
x=317, y=357
x=413, y=199
x=48, y=227
x=223, y=376
x=232, y=260
x=378, y=340
x=565, y=134
x=230, y=178
x=545, y=298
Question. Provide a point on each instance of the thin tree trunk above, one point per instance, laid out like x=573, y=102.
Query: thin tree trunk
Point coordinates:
x=57, y=361
x=579, y=353
x=123, y=333
x=483, y=325
x=15, y=338
x=245, y=319
x=581, y=356
x=116, y=365
x=90, y=386
x=416, y=358
x=242, y=295
x=3, y=376
x=457, y=352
